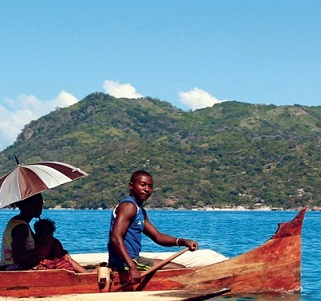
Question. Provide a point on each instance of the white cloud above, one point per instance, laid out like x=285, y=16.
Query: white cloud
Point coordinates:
x=197, y=99
x=16, y=113
x=120, y=90
x=65, y=99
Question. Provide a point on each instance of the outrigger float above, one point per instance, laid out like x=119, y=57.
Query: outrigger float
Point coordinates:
x=274, y=267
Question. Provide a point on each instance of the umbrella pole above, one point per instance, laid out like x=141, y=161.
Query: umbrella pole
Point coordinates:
x=17, y=160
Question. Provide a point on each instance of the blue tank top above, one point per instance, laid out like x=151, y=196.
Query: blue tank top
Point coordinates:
x=132, y=238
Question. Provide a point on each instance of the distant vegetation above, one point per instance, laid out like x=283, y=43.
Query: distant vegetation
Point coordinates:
x=229, y=155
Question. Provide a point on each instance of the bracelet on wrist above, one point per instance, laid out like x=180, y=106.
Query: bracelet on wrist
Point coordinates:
x=177, y=241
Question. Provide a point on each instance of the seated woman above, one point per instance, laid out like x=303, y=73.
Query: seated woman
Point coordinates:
x=18, y=250
x=53, y=254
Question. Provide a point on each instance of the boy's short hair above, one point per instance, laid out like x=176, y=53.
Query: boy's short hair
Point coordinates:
x=139, y=173
x=45, y=226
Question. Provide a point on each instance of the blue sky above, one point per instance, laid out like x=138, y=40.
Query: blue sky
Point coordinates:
x=189, y=53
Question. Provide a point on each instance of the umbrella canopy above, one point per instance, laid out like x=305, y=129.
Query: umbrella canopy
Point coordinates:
x=27, y=180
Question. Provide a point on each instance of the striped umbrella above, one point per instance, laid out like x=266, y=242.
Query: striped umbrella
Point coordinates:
x=27, y=180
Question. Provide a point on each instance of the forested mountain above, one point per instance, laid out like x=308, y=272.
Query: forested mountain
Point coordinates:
x=228, y=155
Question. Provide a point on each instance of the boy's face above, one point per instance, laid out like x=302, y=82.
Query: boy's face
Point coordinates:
x=40, y=235
x=141, y=188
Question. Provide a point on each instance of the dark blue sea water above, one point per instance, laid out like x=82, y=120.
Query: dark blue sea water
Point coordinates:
x=228, y=232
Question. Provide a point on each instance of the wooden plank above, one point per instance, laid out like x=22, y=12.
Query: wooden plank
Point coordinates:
x=133, y=296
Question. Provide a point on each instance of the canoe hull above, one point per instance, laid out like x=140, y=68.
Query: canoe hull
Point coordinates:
x=274, y=267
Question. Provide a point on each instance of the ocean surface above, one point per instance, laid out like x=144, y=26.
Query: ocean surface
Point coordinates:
x=228, y=232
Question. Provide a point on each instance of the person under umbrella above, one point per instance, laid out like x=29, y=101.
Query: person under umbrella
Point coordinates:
x=18, y=250
x=22, y=188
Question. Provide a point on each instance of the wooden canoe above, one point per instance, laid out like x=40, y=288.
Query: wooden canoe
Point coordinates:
x=273, y=267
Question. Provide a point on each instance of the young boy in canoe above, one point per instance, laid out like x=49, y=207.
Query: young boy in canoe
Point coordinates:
x=53, y=254
x=128, y=221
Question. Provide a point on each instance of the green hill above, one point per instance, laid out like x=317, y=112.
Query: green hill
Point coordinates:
x=228, y=155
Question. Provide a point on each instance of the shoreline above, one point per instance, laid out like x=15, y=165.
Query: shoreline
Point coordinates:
x=239, y=209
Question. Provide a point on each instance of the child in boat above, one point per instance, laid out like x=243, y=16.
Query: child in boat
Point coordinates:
x=53, y=254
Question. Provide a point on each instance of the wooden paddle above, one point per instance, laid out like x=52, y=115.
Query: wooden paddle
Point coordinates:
x=194, y=295
x=206, y=294
x=156, y=267
x=163, y=262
